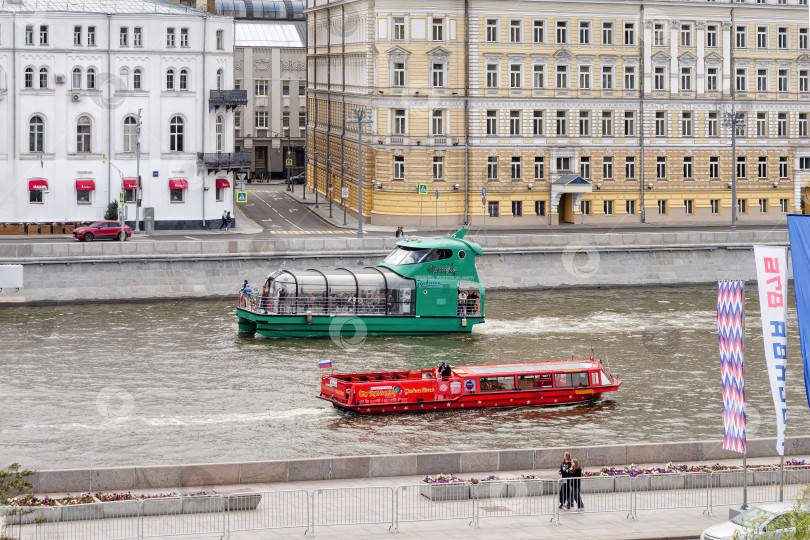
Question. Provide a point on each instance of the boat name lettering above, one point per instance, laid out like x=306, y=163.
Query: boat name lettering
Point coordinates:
x=382, y=387
x=327, y=388
x=442, y=269
x=393, y=391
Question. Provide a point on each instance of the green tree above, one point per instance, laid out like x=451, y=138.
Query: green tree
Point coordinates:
x=13, y=482
x=112, y=211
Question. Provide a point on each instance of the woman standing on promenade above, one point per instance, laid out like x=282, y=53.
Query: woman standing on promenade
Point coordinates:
x=574, y=493
x=564, y=468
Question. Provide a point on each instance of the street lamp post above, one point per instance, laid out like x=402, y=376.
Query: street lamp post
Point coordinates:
x=359, y=119
x=329, y=183
x=138, y=193
x=734, y=120
x=342, y=198
x=289, y=159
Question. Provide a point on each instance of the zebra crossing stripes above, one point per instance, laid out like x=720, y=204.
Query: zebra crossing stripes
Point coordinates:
x=311, y=232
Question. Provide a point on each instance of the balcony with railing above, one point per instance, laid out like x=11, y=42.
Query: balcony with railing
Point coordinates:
x=230, y=99
x=218, y=161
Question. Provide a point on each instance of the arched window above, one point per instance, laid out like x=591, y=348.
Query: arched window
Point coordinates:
x=91, y=79
x=83, y=133
x=183, y=79
x=123, y=80
x=170, y=80
x=77, y=79
x=220, y=79
x=219, y=134
x=36, y=134
x=29, y=77
x=137, y=79
x=176, y=134
x=43, y=78
x=130, y=136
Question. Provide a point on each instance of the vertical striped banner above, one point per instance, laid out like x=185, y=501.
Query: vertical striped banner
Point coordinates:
x=730, y=327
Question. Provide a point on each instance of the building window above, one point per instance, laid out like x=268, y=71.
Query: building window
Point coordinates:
x=515, y=31
x=741, y=37
x=539, y=168
x=740, y=167
x=563, y=164
x=630, y=207
x=399, y=167
x=607, y=124
x=260, y=87
x=220, y=79
x=783, y=167
x=562, y=32
x=220, y=40
x=43, y=35
x=585, y=167
x=687, y=168
x=28, y=79
x=35, y=196
x=762, y=124
x=762, y=167
x=629, y=33
x=123, y=36
x=438, y=168
x=686, y=124
x=137, y=37
x=29, y=35
x=607, y=168
x=137, y=78
x=686, y=79
x=659, y=35
x=437, y=74
x=539, y=76
x=514, y=123
x=762, y=80
x=517, y=208
x=762, y=37
x=77, y=35
x=492, y=208
x=763, y=206
x=177, y=134
x=629, y=123
x=302, y=88
x=218, y=131
x=661, y=168
x=540, y=208
x=711, y=79
x=285, y=120
x=782, y=38
x=562, y=122
x=437, y=122
x=714, y=168
x=177, y=195
x=660, y=123
x=516, y=172
x=437, y=29
x=170, y=37
x=607, y=33
x=783, y=205
x=492, y=167
x=492, y=75
x=220, y=194
x=130, y=137
x=689, y=206
x=782, y=125
x=36, y=135
x=742, y=206
x=43, y=78
x=302, y=119
x=170, y=80
x=585, y=208
x=803, y=80
x=285, y=88
x=399, y=28
x=802, y=125
x=715, y=206
x=713, y=124
x=184, y=37
x=584, y=77
x=607, y=207
x=783, y=83
x=584, y=33
x=399, y=122
x=515, y=76
x=76, y=79
x=537, y=123
x=183, y=86
x=686, y=35
x=741, y=80
x=91, y=36
x=630, y=168
x=662, y=207
x=629, y=78
x=492, y=122
x=539, y=32
x=607, y=77
x=584, y=123
x=562, y=77
x=659, y=76
x=711, y=36
x=91, y=79
x=83, y=135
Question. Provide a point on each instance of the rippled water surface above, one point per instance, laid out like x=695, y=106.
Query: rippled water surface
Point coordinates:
x=172, y=382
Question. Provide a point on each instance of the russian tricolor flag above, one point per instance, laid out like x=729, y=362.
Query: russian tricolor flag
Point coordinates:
x=325, y=363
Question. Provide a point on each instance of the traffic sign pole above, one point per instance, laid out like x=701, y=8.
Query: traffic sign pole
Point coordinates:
x=437, y=209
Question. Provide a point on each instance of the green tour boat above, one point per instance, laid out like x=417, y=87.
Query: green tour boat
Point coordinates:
x=425, y=286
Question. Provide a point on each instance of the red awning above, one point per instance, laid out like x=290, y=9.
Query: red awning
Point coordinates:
x=37, y=184
x=130, y=183
x=178, y=183
x=85, y=184
x=223, y=183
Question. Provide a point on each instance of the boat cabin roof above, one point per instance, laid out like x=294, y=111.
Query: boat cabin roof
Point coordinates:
x=534, y=367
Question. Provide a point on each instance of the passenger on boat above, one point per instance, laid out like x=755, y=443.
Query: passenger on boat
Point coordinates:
x=462, y=303
x=265, y=298
x=447, y=372
x=282, y=300
x=254, y=297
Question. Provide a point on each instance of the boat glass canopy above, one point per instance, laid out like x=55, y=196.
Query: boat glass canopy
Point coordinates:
x=410, y=255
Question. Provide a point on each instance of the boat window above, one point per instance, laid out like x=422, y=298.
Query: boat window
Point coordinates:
x=580, y=380
x=400, y=299
x=371, y=291
x=469, y=299
x=285, y=281
x=409, y=255
x=491, y=384
x=562, y=380
x=567, y=380
x=342, y=291
x=595, y=378
x=526, y=382
x=606, y=380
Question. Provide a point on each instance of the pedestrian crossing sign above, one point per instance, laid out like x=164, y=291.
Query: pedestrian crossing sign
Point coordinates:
x=121, y=197
x=289, y=162
x=423, y=189
x=241, y=196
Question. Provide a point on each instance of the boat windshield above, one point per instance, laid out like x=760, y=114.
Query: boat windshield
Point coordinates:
x=409, y=255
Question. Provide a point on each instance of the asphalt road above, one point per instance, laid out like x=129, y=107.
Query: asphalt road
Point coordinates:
x=269, y=208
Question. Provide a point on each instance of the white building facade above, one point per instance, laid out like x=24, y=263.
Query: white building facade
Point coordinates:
x=72, y=87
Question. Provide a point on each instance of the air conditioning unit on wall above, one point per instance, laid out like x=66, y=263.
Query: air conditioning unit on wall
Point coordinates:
x=60, y=79
x=76, y=97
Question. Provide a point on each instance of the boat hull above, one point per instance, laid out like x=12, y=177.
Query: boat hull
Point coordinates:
x=349, y=326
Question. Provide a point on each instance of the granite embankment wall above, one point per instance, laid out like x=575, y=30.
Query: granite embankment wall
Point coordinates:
x=334, y=468
x=68, y=272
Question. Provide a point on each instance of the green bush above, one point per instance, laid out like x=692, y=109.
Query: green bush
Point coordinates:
x=13, y=482
x=112, y=211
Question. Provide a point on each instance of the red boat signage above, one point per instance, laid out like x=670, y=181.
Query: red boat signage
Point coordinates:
x=498, y=385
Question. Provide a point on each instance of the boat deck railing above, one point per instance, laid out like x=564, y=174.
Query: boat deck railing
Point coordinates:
x=333, y=305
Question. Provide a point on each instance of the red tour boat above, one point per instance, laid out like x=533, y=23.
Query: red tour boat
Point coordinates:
x=467, y=387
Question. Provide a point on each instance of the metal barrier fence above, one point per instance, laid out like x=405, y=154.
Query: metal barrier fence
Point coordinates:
x=252, y=511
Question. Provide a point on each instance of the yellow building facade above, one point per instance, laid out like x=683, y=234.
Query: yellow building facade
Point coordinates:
x=571, y=111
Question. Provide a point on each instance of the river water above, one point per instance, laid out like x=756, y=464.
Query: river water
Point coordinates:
x=172, y=382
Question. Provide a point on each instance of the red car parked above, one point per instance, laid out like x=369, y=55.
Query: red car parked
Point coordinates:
x=100, y=230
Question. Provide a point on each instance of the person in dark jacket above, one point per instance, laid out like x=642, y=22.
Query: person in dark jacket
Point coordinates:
x=563, y=472
x=574, y=493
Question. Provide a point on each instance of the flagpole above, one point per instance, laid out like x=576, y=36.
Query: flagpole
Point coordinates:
x=782, y=479
x=742, y=368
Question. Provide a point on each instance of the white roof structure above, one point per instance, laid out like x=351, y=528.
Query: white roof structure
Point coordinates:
x=98, y=6
x=270, y=34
